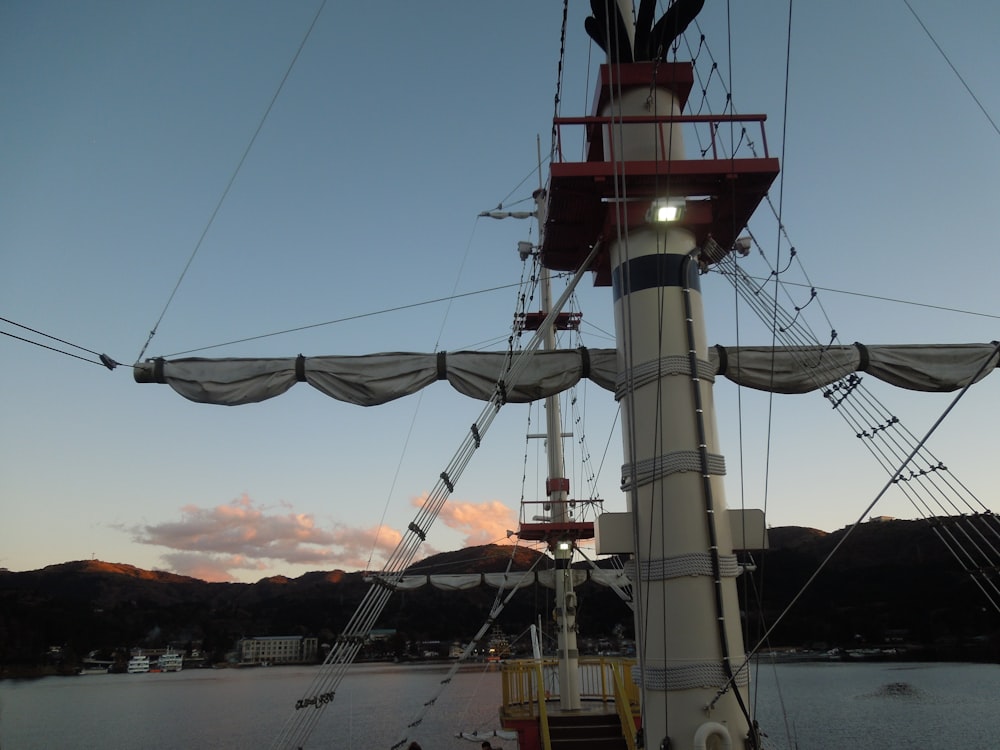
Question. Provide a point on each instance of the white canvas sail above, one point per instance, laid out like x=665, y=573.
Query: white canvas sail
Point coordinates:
x=369, y=380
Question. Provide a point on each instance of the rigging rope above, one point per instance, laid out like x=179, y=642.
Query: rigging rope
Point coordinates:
x=298, y=728
x=54, y=349
x=103, y=359
x=419, y=402
x=867, y=417
x=954, y=70
x=557, y=98
x=929, y=486
x=615, y=131
x=345, y=319
x=893, y=479
x=499, y=603
x=232, y=180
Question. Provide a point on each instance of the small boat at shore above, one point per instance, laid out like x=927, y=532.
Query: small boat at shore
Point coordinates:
x=138, y=665
x=171, y=661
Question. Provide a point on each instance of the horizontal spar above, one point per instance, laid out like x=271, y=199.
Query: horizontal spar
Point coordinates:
x=372, y=379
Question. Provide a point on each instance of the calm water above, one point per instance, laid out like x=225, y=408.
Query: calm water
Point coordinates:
x=826, y=707
x=886, y=706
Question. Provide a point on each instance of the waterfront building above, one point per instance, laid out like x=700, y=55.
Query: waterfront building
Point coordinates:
x=277, y=649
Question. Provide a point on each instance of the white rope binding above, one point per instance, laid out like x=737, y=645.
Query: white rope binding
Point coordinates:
x=650, y=469
x=652, y=371
x=678, y=566
x=704, y=674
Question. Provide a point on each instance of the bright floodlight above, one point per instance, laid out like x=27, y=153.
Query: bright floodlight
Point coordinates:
x=564, y=545
x=665, y=211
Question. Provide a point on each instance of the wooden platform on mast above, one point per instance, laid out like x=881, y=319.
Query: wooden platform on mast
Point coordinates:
x=580, y=211
x=553, y=531
x=584, y=201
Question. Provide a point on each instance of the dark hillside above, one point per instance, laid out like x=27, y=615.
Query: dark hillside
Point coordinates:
x=890, y=582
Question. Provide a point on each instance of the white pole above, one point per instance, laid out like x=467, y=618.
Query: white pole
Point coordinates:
x=687, y=618
x=558, y=497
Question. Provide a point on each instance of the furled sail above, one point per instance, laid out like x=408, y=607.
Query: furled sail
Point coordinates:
x=799, y=369
x=368, y=380
x=508, y=581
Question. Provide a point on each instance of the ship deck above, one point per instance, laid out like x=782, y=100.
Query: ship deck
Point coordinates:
x=609, y=703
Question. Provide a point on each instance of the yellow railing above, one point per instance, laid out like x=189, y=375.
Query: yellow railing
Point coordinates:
x=543, y=714
x=625, y=711
x=528, y=683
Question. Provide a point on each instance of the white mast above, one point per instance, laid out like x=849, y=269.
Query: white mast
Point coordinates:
x=555, y=530
x=677, y=529
x=687, y=615
x=557, y=489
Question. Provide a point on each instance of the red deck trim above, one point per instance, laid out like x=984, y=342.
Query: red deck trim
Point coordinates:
x=549, y=531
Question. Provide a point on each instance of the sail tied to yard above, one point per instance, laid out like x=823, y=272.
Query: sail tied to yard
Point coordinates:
x=369, y=380
x=610, y=577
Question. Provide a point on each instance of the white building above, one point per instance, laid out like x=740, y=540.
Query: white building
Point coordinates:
x=277, y=649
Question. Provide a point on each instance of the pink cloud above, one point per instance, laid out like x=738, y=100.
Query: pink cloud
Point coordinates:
x=212, y=542
x=216, y=543
x=208, y=567
x=481, y=523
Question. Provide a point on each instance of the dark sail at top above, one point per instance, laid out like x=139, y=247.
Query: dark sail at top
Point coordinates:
x=607, y=28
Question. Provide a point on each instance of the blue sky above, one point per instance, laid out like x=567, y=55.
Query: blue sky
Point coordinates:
x=397, y=125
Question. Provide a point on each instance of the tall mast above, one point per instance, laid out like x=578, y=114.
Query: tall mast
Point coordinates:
x=676, y=529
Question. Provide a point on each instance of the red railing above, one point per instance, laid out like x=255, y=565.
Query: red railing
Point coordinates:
x=601, y=129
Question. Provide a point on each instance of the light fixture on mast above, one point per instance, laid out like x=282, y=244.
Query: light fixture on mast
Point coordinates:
x=666, y=211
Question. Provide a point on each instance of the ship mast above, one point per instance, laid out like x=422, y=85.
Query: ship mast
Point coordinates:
x=662, y=217
x=557, y=529
x=557, y=490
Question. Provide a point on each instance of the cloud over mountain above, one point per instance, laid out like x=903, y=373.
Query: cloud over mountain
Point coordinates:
x=242, y=535
x=214, y=543
x=480, y=523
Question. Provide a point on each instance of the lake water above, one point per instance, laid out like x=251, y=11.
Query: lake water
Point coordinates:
x=828, y=706
x=880, y=706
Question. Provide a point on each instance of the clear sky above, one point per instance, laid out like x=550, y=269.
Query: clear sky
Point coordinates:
x=122, y=124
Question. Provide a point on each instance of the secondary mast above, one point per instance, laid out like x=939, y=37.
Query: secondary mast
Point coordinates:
x=558, y=529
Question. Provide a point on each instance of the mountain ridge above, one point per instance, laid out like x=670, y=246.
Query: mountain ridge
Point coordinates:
x=890, y=580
